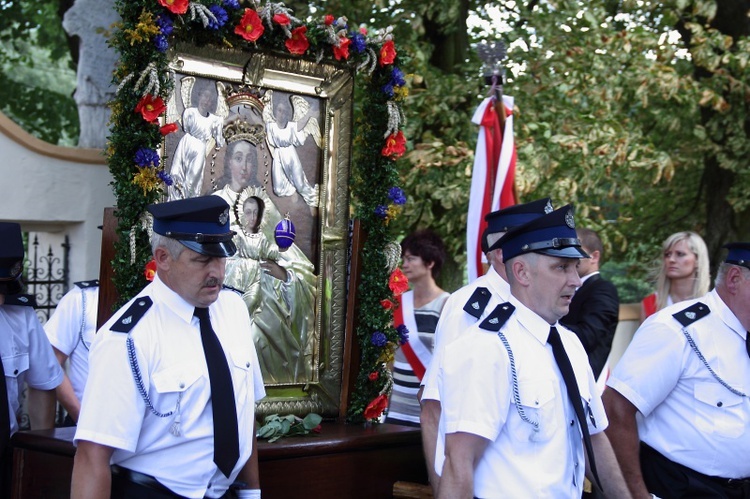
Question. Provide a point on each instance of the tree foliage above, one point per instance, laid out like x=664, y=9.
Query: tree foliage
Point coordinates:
x=636, y=111
x=37, y=73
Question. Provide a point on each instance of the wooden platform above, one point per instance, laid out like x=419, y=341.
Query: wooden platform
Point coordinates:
x=344, y=461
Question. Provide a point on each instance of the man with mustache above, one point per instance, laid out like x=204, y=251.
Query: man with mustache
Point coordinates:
x=174, y=375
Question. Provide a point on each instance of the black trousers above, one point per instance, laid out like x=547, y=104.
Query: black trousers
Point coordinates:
x=127, y=484
x=668, y=479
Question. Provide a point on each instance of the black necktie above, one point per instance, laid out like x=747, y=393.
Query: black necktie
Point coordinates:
x=747, y=343
x=226, y=439
x=571, y=386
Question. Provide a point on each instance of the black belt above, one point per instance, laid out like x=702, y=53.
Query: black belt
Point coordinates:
x=142, y=479
x=724, y=483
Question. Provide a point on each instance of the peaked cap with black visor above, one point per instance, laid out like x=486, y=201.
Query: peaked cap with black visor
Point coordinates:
x=501, y=221
x=553, y=234
x=201, y=224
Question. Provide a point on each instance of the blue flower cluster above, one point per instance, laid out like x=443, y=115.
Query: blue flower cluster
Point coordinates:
x=166, y=26
x=231, y=4
x=165, y=23
x=359, y=42
x=381, y=211
x=221, y=17
x=403, y=334
x=145, y=157
x=396, y=194
x=397, y=80
x=165, y=177
x=378, y=339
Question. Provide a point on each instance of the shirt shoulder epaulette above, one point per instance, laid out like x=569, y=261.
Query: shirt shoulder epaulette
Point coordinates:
x=87, y=284
x=21, y=300
x=132, y=315
x=693, y=313
x=498, y=317
x=477, y=302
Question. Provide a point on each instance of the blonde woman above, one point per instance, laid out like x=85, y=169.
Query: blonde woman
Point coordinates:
x=683, y=274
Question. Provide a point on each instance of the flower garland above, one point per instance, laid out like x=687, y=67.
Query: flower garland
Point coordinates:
x=144, y=83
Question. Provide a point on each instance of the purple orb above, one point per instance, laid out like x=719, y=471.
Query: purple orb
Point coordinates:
x=284, y=233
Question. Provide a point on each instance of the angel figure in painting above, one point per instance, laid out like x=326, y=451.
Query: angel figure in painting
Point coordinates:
x=202, y=121
x=287, y=173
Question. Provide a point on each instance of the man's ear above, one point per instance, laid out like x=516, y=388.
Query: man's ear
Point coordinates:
x=163, y=258
x=520, y=270
x=595, y=256
x=733, y=278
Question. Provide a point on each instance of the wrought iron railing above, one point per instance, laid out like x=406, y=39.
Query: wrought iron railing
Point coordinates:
x=47, y=277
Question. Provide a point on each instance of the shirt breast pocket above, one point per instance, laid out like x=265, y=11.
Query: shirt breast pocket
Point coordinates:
x=537, y=406
x=171, y=383
x=242, y=370
x=719, y=411
x=15, y=365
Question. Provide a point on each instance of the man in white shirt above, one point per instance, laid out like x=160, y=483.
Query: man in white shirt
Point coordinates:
x=174, y=375
x=687, y=372
x=520, y=404
x=465, y=307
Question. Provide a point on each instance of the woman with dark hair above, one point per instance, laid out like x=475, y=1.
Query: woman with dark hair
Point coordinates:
x=423, y=257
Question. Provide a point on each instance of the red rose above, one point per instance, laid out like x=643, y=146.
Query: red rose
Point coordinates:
x=298, y=43
x=363, y=30
x=250, y=27
x=387, y=304
x=150, y=270
x=281, y=19
x=398, y=282
x=328, y=19
x=168, y=128
x=150, y=107
x=373, y=376
x=387, y=53
x=395, y=145
x=342, y=51
x=175, y=6
x=376, y=407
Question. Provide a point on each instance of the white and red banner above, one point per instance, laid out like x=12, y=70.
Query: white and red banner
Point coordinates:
x=416, y=352
x=492, y=178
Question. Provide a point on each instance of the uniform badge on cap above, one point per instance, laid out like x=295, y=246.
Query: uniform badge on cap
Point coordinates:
x=224, y=217
x=16, y=269
x=548, y=207
x=569, y=220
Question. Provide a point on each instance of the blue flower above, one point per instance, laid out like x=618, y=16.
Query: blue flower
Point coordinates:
x=359, y=43
x=145, y=156
x=381, y=211
x=397, y=77
x=388, y=89
x=221, y=17
x=403, y=334
x=161, y=43
x=396, y=194
x=231, y=4
x=378, y=339
x=165, y=23
x=165, y=177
